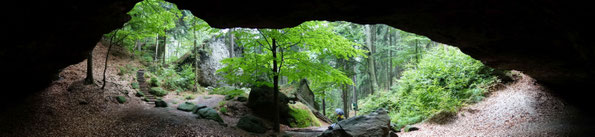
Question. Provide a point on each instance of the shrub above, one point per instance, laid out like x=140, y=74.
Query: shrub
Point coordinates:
x=229, y=92
x=442, y=81
x=154, y=82
x=157, y=91
x=223, y=110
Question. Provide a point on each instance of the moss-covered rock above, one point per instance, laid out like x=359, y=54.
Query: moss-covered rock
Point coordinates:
x=160, y=103
x=135, y=85
x=198, y=107
x=302, y=116
x=209, y=113
x=140, y=94
x=187, y=106
x=251, y=123
x=158, y=91
x=121, y=99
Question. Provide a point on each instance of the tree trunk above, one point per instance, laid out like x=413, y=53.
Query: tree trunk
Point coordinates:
x=323, y=103
x=353, y=77
x=276, y=88
x=89, y=79
x=196, y=59
x=107, y=57
x=231, y=43
x=164, y=49
x=371, y=69
x=345, y=100
x=156, y=47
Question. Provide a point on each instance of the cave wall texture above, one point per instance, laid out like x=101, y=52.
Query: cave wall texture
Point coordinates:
x=549, y=40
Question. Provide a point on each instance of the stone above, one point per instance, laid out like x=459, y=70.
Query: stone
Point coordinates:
x=198, y=107
x=306, y=95
x=187, y=106
x=252, y=124
x=121, y=99
x=140, y=94
x=209, y=113
x=261, y=102
x=375, y=124
x=242, y=99
x=160, y=103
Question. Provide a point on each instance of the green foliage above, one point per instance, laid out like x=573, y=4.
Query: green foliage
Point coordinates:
x=298, y=48
x=189, y=97
x=223, y=109
x=229, y=91
x=158, y=91
x=303, y=117
x=174, y=80
x=135, y=85
x=154, y=82
x=444, y=80
x=222, y=103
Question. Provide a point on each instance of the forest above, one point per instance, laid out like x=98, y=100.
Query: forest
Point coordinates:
x=358, y=68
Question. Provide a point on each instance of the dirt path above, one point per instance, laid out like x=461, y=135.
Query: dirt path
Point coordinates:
x=522, y=108
x=69, y=108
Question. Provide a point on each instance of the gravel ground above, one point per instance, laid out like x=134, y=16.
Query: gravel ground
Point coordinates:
x=69, y=108
x=521, y=108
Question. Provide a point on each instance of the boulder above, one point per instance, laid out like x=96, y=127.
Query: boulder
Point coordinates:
x=306, y=95
x=242, y=99
x=187, y=106
x=209, y=113
x=251, y=123
x=121, y=99
x=160, y=103
x=375, y=124
x=261, y=102
x=198, y=107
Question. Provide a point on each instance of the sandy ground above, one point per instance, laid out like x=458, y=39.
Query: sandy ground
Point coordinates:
x=522, y=108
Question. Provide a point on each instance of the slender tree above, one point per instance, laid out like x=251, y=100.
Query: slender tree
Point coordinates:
x=89, y=79
x=370, y=33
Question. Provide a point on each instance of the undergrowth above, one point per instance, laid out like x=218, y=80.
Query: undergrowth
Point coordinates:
x=444, y=80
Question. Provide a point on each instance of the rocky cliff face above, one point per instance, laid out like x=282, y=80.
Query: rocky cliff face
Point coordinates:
x=215, y=51
x=549, y=40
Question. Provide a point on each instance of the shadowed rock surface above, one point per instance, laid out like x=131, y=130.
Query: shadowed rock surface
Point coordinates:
x=375, y=124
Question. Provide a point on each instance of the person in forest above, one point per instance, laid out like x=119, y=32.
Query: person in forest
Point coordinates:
x=340, y=114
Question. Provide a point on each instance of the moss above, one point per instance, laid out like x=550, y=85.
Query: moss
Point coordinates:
x=186, y=106
x=121, y=99
x=135, y=85
x=223, y=110
x=157, y=91
x=302, y=116
x=140, y=94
